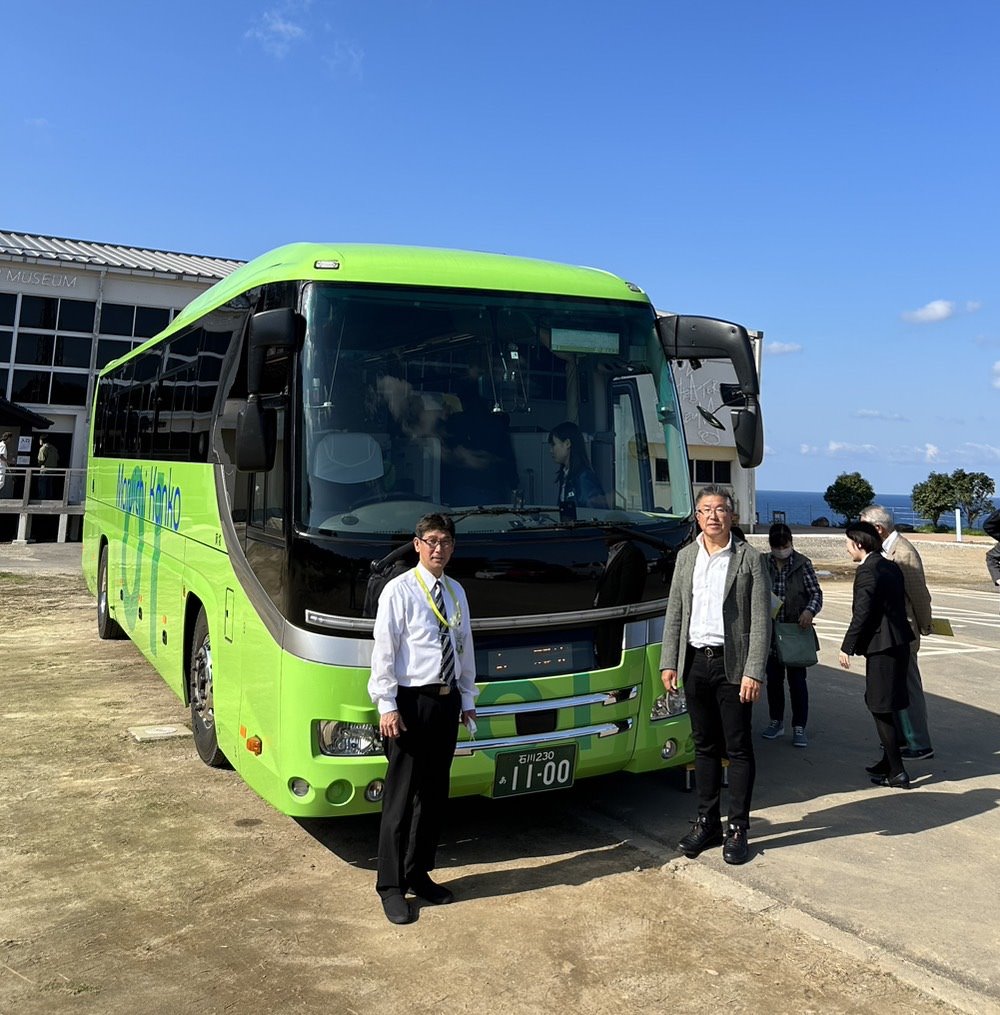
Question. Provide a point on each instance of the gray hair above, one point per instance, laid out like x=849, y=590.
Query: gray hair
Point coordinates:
x=716, y=491
x=877, y=515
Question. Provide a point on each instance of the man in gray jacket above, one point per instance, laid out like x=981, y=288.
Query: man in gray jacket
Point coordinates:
x=716, y=635
x=911, y=722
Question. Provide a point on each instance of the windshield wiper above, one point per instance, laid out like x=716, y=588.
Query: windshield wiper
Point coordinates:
x=457, y=516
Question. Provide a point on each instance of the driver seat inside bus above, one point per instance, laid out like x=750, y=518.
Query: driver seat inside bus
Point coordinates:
x=346, y=468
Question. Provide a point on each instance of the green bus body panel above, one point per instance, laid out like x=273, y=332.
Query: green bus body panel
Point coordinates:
x=167, y=554
x=360, y=263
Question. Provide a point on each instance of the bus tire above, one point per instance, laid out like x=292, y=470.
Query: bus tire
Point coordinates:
x=202, y=696
x=107, y=627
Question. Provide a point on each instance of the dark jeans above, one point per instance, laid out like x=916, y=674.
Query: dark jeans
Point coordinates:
x=798, y=691
x=720, y=726
x=416, y=787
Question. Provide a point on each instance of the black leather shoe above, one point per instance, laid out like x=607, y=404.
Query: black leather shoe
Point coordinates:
x=736, y=849
x=900, y=781
x=917, y=753
x=436, y=895
x=880, y=767
x=701, y=836
x=397, y=909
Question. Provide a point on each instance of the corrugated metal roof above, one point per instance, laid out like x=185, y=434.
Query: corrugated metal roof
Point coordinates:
x=45, y=249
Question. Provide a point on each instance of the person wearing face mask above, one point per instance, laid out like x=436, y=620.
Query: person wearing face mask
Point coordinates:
x=794, y=582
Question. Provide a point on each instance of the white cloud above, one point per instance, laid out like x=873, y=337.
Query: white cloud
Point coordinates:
x=782, y=348
x=345, y=57
x=931, y=453
x=996, y=374
x=808, y=449
x=972, y=306
x=936, y=310
x=276, y=32
x=893, y=417
x=979, y=451
x=843, y=448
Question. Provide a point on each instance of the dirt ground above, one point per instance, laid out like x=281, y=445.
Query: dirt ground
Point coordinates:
x=133, y=877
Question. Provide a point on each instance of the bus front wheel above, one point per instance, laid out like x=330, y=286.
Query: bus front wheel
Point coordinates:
x=107, y=627
x=202, y=695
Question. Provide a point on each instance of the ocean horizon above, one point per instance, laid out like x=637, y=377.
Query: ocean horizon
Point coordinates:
x=803, y=508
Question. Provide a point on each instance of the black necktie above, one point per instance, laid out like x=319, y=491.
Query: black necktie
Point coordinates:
x=447, y=651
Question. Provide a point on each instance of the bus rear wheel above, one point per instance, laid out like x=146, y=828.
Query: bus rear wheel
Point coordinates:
x=202, y=694
x=107, y=627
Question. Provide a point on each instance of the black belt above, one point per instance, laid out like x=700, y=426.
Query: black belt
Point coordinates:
x=438, y=690
x=708, y=651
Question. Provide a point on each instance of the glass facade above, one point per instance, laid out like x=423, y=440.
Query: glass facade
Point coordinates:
x=47, y=344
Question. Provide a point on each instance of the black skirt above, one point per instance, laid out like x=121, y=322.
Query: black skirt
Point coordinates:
x=885, y=679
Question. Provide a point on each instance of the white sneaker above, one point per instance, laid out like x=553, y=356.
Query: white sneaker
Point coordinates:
x=775, y=729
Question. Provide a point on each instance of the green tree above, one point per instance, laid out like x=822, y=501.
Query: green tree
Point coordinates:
x=934, y=496
x=973, y=493
x=849, y=494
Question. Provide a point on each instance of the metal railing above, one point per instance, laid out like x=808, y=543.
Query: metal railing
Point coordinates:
x=32, y=492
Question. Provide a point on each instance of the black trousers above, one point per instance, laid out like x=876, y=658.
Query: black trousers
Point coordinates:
x=416, y=787
x=721, y=727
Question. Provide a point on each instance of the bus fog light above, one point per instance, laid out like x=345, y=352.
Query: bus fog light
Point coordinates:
x=349, y=739
x=667, y=705
x=374, y=791
x=299, y=787
x=669, y=750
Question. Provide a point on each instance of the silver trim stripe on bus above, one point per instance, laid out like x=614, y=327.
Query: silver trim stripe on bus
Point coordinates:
x=342, y=651
x=467, y=748
x=534, y=620
x=597, y=698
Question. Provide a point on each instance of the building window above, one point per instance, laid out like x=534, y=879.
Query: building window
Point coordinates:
x=150, y=321
x=707, y=470
x=77, y=315
x=8, y=302
x=38, y=312
x=69, y=389
x=662, y=470
x=73, y=351
x=6, y=338
x=34, y=350
x=116, y=319
x=30, y=386
x=108, y=349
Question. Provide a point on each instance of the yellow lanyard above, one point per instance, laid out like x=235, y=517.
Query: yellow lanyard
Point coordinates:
x=456, y=619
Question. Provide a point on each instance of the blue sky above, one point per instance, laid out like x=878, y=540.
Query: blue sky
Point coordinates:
x=823, y=172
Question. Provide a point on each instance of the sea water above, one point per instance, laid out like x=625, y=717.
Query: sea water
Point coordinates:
x=802, y=508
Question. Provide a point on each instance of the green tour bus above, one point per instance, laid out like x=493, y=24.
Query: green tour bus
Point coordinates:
x=255, y=472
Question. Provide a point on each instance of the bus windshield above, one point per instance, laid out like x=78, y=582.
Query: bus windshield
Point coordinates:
x=506, y=411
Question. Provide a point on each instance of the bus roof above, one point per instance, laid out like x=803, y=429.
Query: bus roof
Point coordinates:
x=411, y=266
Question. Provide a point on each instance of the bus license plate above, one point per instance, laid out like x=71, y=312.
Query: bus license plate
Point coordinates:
x=534, y=771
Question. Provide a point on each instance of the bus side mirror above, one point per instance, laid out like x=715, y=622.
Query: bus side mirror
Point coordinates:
x=269, y=329
x=748, y=434
x=256, y=437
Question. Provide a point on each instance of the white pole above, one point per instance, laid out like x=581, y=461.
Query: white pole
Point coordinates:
x=958, y=525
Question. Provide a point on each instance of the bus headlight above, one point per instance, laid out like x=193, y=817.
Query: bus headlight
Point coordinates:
x=349, y=739
x=667, y=705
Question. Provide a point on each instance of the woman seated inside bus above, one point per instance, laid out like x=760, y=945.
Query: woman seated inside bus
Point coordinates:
x=576, y=481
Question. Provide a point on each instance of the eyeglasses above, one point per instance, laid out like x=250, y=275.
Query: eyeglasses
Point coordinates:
x=712, y=511
x=445, y=544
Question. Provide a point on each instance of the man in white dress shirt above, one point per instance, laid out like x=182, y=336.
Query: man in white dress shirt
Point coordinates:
x=423, y=679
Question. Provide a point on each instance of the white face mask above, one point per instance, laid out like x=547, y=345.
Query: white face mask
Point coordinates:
x=782, y=553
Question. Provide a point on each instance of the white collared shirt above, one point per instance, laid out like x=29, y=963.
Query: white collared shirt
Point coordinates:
x=407, y=651
x=888, y=542
x=708, y=589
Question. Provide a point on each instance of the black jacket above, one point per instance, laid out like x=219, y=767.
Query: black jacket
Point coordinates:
x=878, y=622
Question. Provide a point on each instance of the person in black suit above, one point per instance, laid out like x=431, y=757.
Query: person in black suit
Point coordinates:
x=880, y=632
